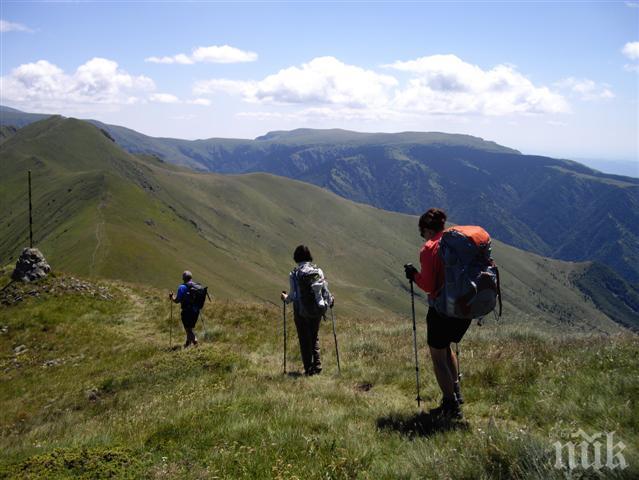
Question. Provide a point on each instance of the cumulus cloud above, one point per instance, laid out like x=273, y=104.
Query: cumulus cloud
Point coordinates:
x=445, y=84
x=212, y=54
x=322, y=81
x=172, y=99
x=204, y=102
x=6, y=26
x=98, y=81
x=631, y=50
x=586, y=89
x=437, y=85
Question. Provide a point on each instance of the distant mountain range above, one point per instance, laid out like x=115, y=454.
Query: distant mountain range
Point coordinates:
x=556, y=208
x=101, y=211
x=628, y=168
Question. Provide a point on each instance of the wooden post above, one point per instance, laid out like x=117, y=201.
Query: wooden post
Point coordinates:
x=30, y=215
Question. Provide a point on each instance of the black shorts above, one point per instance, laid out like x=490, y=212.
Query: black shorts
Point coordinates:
x=189, y=318
x=442, y=330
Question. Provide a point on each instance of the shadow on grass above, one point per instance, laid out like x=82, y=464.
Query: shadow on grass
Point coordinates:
x=173, y=348
x=419, y=425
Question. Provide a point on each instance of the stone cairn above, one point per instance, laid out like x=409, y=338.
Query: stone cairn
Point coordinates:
x=31, y=266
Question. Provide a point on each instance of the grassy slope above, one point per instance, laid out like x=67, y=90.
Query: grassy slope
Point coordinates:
x=102, y=212
x=475, y=180
x=98, y=394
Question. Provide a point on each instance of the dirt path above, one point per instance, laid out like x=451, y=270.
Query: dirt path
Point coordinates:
x=99, y=235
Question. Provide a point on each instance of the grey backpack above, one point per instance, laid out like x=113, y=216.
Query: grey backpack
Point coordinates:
x=471, y=279
x=306, y=303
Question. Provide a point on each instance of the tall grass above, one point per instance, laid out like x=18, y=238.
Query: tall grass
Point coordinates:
x=98, y=393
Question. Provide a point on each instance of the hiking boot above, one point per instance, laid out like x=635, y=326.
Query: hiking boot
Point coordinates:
x=449, y=410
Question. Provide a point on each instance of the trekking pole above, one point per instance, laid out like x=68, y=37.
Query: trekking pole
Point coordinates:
x=339, y=370
x=203, y=325
x=171, y=327
x=412, y=304
x=284, y=316
x=459, y=374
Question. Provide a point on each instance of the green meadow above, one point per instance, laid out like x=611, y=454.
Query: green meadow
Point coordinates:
x=94, y=383
x=92, y=389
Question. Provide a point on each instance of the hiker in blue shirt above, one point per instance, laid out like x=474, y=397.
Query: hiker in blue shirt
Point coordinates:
x=190, y=312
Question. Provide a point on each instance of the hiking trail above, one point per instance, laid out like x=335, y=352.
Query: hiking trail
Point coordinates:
x=99, y=234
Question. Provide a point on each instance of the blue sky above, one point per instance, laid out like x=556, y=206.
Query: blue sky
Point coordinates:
x=554, y=78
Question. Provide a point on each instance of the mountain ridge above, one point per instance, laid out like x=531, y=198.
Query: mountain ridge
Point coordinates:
x=237, y=231
x=553, y=207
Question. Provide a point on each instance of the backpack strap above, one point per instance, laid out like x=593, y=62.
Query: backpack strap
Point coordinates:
x=296, y=285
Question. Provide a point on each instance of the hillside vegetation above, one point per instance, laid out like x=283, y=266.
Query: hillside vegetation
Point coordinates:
x=92, y=390
x=102, y=212
x=556, y=208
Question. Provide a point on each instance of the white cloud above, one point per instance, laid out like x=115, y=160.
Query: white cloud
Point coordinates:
x=204, y=102
x=441, y=85
x=98, y=81
x=223, y=54
x=632, y=4
x=6, y=26
x=164, y=98
x=322, y=81
x=631, y=50
x=212, y=54
x=586, y=89
x=445, y=84
x=180, y=58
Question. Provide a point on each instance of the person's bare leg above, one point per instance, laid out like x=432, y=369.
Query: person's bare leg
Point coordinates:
x=454, y=368
x=452, y=364
x=443, y=373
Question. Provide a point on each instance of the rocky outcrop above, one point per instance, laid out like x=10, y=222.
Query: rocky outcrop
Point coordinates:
x=31, y=266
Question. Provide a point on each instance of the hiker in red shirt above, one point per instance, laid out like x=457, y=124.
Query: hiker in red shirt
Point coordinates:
x=441, y=330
